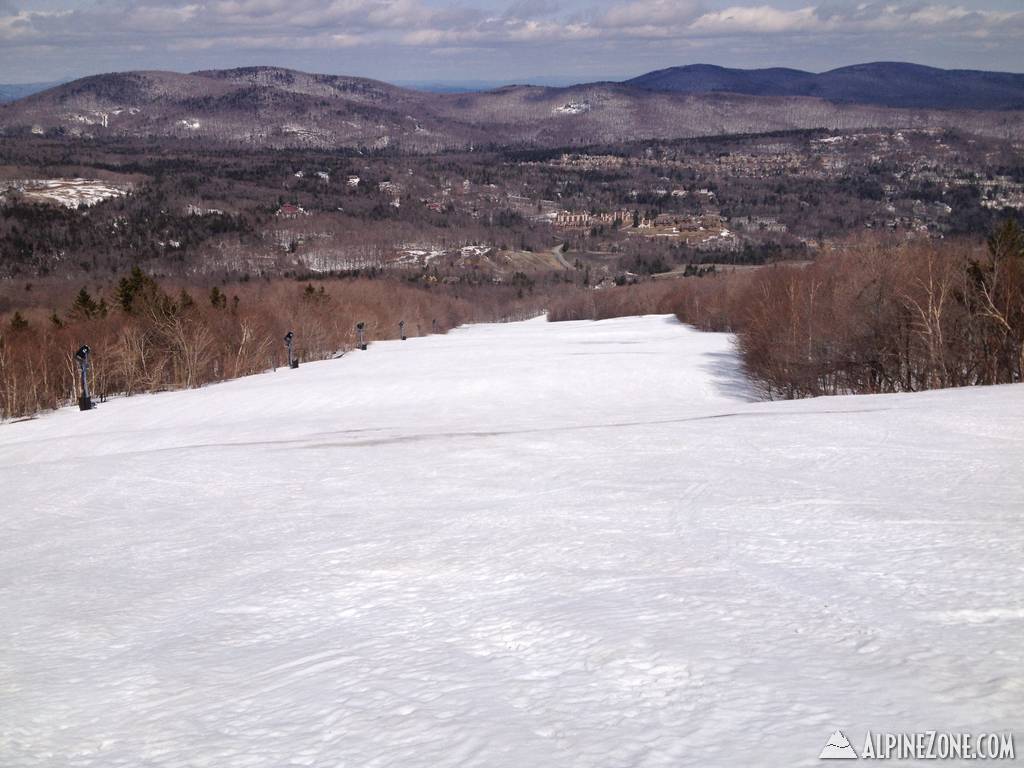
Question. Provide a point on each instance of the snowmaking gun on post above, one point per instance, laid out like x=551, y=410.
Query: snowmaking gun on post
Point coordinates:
x=82, y=357
x=293, y=361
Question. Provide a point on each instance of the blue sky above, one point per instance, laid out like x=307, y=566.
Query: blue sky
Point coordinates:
x=511, y=40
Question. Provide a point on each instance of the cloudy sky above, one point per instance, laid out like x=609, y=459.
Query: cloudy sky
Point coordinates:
x=499, y=40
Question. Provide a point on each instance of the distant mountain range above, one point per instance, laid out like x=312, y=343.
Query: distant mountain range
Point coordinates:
x=15, y=91
x=475, y=86
x=269, y=106
x=885, y=84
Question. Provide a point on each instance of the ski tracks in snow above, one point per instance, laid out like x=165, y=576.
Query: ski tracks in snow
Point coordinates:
x=557, y=545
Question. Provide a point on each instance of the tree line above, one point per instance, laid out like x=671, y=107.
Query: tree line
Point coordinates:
x=867, y=317
x=147, y=337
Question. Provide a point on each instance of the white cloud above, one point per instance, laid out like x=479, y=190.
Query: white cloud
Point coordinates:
x=531, y=9
x=156, y=18
x=650, y=13
x=108, y=28
x=762, y=19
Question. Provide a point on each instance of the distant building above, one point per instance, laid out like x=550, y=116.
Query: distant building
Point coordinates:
x=195, y=210
x=289, y=211
x=584, y=219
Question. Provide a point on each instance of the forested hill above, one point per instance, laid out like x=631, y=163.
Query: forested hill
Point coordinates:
x=272, y=107
x=886, y=84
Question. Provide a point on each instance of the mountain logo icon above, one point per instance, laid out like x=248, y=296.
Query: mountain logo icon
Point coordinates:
x=838, y=748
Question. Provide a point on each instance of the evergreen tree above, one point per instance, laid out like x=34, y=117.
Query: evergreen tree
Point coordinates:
x=84, y=306
x=18, y=323
x=138, y=290
x=218, y=300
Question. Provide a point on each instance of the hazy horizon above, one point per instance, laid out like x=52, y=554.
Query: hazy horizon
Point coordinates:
x=469, y=84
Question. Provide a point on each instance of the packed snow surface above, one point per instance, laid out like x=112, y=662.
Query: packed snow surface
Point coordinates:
x=525, y=546
x=71, y=193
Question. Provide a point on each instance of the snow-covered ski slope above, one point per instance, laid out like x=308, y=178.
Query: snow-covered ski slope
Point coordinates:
x=525, y=546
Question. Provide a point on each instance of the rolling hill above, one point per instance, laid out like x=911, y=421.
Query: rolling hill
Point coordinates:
x=886, y=84
x=269, y=106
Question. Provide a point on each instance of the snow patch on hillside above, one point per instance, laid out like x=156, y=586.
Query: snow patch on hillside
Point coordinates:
x=573, y=108
x=71, y=193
